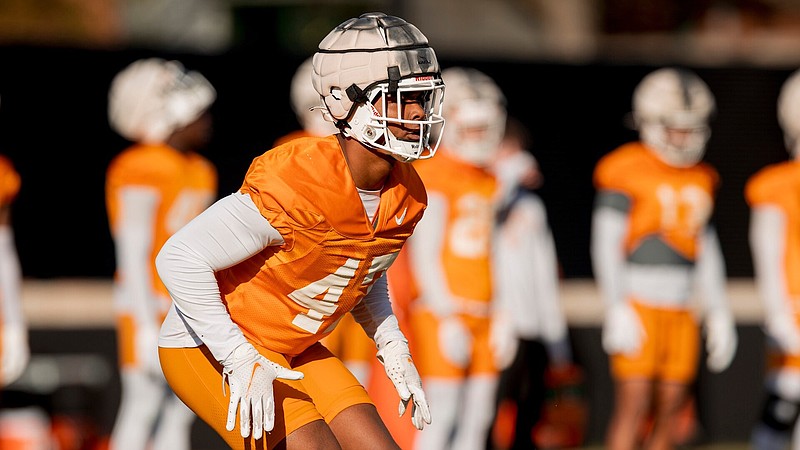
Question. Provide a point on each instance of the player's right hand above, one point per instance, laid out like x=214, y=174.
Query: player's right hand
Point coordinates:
x=622, y=330
x=15, y=354
x=250, y=376
x=455, y=341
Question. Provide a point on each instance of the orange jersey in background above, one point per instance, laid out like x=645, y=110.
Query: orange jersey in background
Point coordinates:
x=186, y=184
x=672, y=204
x=469, y=193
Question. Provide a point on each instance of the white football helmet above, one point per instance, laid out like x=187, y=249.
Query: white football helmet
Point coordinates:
x=152, y=98
x=671, y=110
x=367, y=58
x=307, y=104
x=476, y=114
x=789, y=113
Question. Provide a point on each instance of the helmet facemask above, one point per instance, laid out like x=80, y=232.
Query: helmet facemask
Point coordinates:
x=373, y=117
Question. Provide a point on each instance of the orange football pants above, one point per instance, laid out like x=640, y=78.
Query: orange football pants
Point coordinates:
x=327, y=389
x=670, y=349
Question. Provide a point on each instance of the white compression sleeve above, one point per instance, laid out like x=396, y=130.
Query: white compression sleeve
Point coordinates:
x=425, y=247
x=228, y=232
x=10, y=279
x=710, y=273
x=767, y=242
x=374, y=314
x=608, y=230
x=133, y=239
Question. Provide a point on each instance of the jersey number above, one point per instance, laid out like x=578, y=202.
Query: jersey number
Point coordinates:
x=686, y=209
x=322, y=296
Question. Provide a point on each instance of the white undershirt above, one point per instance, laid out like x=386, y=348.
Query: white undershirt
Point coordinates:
x=371, y=200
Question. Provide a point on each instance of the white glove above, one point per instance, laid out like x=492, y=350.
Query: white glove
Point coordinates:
x=622, y=330
x=455, y=341
x=721, y=340
x=399, y=367
x=503, y=341
x=147, y=349
x=783, y=329
x=15, y=353
x=250, y=376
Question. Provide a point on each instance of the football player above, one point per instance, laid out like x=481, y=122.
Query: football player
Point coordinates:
x=450, y=259
x=153, y=188
x=651, y=238
x=259, y=278
x=775, y=245
x=527, y=286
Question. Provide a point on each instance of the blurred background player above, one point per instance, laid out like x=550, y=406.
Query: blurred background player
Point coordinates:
x=153, y=188
x=651, y=239
x=775, y=244
x=348, y=340
x=526, y=277
x=21, y=425
x=14, y=350
x=260, y=277
x=450, y=257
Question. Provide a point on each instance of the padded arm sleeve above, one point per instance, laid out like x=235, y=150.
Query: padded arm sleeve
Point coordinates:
x=228, y=232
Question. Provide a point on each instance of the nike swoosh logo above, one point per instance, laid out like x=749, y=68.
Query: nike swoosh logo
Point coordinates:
x=399, y=219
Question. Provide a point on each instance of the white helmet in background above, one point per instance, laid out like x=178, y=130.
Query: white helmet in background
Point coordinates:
x=475, y=111
x=671, y=110
x=152, y=98
x=789, y=113
x=304, y=98
x=366, y=59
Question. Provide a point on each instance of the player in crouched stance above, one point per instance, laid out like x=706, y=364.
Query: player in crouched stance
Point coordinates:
x=265, y=273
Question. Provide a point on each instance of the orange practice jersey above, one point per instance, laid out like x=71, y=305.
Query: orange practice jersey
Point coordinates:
x=668, y=203
x=779, y=185
x=469, y=193
x=186, y=184
x=287, y=298
x=9, y=182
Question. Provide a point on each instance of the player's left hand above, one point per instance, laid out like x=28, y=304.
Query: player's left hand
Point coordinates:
x=721, y=340
x=396, y=359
